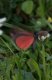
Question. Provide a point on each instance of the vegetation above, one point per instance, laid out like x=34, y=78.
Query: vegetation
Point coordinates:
x=34, y=63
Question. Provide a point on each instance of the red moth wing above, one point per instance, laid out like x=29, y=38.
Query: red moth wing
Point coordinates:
x=24, y=42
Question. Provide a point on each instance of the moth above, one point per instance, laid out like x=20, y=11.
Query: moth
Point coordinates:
x=25, y=39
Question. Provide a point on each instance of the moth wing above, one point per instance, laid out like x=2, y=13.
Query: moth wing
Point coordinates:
x=24, y=42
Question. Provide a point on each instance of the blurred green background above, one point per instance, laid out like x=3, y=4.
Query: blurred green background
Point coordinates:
x=32, y=64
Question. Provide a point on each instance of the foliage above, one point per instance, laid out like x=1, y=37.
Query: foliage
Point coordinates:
x=32, y=64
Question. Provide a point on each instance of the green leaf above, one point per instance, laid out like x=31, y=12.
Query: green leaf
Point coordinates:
x=41, y=8
x=26, y=75
x=48, y=71
x=18, y=75
x=1, y=77
x=43, y=55
x=34, y=67
x=10, y=41
x=7, y=45
x=27, y=7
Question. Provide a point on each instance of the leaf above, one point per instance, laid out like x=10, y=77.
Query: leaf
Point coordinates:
x=43, y=55
x=41, y=8
x=10, y=41
x=27, y=7
x=34, y=67
x=48, y=71
x=26, y=75
x=18, y=75
x=49, y=58
x=7, y=45
x=1, y=77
